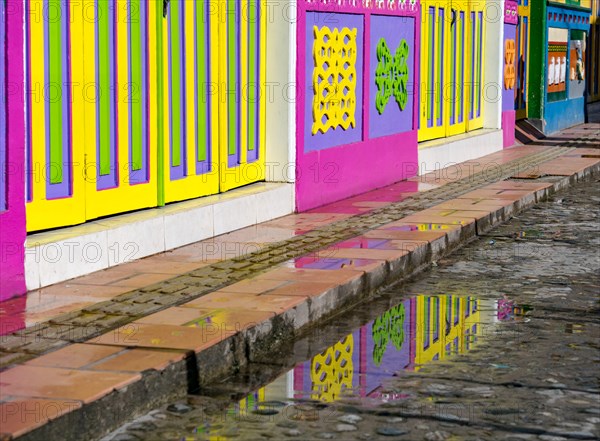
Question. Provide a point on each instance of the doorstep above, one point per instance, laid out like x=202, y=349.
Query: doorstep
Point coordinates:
x=59, y=255
x=443, y=152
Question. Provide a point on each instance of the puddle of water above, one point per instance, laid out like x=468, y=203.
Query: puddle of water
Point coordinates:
x=415, y=332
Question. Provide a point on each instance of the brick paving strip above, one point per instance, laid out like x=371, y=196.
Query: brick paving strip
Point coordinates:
x=81, y=374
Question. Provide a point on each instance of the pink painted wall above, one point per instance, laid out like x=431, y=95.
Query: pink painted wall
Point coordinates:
x=12, y=220
x=335, y=173
x=508, y=128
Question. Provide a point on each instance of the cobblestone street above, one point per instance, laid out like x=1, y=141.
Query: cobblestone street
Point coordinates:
x=529, y=371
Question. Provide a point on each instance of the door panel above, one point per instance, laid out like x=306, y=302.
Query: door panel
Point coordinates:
x=476, y=23
x=120, y=148
x=242, y=110
x=56, y=186
x=457, y=67
x=191, y=110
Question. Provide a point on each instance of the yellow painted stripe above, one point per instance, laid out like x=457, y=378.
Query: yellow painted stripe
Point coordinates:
x=190, y=82
x=262, y=81
x=38, y=112
x=123, y=94
x=89, y=105
x=244, y=90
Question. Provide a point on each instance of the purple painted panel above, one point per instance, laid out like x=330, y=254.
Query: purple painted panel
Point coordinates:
x=393, y=30
x=511, y=15
x=508, y=95
x=338, y=136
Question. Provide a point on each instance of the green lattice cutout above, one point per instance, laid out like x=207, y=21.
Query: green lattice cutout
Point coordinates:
x=391, y=75
x=390, y=326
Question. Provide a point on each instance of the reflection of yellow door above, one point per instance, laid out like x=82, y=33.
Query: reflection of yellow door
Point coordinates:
x=452, y=35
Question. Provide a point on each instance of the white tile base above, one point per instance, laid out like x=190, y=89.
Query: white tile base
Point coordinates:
x=445, y=152
x=63, y=254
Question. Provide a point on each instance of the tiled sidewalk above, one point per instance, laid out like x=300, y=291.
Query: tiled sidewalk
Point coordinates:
x=169, y=352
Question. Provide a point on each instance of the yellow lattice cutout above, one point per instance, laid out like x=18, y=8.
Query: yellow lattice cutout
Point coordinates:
x=331, y=371
x=509, y=64
x=334, y=79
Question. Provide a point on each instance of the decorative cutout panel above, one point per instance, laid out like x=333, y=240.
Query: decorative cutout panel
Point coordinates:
x=334, y=79
x=391, y=75
x=332, y=370
x=509, y=64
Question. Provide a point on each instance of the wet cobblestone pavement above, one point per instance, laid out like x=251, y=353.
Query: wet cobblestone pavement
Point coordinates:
x=498, y=341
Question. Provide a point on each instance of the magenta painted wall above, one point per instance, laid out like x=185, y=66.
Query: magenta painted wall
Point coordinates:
x=328, y=174
x=508, y=128
x=12, y=219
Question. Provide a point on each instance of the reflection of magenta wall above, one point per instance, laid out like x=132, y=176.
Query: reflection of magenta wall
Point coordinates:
x=375, y=153
x=12, y=213
x=508, y=96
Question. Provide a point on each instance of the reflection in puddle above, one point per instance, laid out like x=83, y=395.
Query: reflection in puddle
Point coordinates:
x=418, y=331
x=509, y=310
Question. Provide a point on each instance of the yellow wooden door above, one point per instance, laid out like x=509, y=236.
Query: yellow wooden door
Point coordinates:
x=242, y=111
x=55, y=175
x=475, y=77
x=456, y=68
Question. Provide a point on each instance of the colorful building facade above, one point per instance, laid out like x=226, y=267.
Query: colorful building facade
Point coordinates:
x=131, y=105
x=357, y=62
x=558, y=64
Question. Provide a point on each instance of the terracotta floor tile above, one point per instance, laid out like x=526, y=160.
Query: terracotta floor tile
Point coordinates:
x=160, y=336
x=302, y=289
x=70, y=384
x=173, y=316
x=422, y=218
x=231, y=321
x=473, y=204
x=103, y=277
x=330, y=263
x=141, y=280
x=139, y=360
x=22, y=415
x=416, y=235
x=155, y=265
x=362, y=253
x=458, y=213
x=497, y=194
x=73, y=289
x=517, y=185
x=74, y=356
x=340, y=276
x=253, y=286
x=247, y=302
